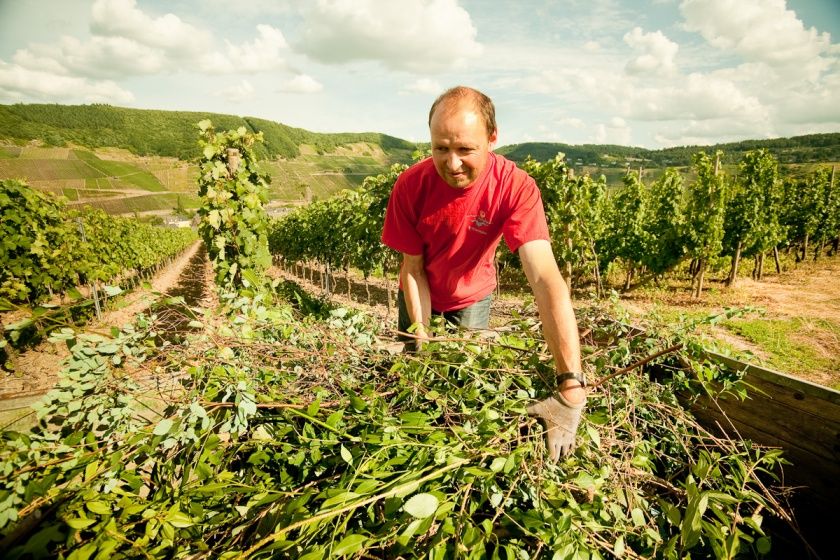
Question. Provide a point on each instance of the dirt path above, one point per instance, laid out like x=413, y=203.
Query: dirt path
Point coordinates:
x=37, y=368
x=812, y=290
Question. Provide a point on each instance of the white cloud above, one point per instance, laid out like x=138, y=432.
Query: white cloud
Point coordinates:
x=100, y=57
x=425, y=86
x=696, y=96
x=301, y=84
x=19, y=83
x=571, y=122
x=243, y=91
x=611, y=134
x=760, y=31
x=261, y=55
x=121, y=18
x=127, y=42
x=657, y=52
x=421, y=36
x=710, y=131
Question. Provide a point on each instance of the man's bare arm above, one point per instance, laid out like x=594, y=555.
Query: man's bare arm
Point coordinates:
x=560, y=413
x=556, y=313
x=415, y=287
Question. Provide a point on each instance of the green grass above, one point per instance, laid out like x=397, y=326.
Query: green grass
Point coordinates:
x=793, y=345
x=46, y=169
x=9, y=152
x=127, y=205
x=127, y=173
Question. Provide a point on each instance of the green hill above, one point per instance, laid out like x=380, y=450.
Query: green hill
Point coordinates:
x=136, y=160
x=133, y=160
x=168, y=133
x=811, y=148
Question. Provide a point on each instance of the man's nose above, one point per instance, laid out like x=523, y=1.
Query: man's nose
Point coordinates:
x=453, y=162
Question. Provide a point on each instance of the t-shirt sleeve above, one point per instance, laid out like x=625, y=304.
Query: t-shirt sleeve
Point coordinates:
x=400, y=229
x=527, y=217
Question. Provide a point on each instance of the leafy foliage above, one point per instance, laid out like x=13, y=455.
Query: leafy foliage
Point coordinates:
x=753, y=209
x=233, y=220
x=291, y=436
x=44, y=252
x=341, y=231
x=812, y=209
x=628, y=237
x=573, y=207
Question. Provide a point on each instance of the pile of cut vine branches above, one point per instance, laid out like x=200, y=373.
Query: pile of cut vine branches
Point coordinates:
x=282, y=434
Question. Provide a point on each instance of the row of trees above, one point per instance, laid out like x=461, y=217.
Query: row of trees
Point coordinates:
x=48, y=250
x=650, y=229
x=340, y=232
x=647, y=230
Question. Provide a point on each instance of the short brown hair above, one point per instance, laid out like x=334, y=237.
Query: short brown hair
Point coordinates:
x=482, y=103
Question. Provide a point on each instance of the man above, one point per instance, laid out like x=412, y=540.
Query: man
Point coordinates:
x=447, y=214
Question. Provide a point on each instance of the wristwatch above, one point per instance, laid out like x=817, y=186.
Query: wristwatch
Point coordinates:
x=578, y=376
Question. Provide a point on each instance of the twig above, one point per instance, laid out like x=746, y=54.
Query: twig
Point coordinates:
x=328, y=514
x=635, y=365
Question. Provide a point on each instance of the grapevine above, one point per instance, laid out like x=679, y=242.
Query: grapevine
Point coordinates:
x=44, y=252
x=233, y=218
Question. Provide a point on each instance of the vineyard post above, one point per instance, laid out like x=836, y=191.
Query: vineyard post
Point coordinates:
x=736, y=259
x=599, y=286
x=836, y=240
x=93, y=282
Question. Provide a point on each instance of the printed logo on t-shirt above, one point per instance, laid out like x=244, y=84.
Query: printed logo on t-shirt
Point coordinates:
x=479, y=223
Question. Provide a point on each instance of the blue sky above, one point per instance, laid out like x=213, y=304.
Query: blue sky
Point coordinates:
x=651, y=73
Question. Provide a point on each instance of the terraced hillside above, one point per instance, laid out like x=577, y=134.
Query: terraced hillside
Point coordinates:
x=135, y=161
x=120, y=182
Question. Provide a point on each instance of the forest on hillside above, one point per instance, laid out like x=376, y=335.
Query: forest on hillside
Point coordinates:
x=168, y=133
x=172, y=133
x=810, y=148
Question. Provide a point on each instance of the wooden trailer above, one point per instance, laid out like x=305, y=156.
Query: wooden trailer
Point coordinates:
x=803, y=419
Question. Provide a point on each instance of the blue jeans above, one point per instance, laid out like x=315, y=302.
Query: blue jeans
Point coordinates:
x=475, y=316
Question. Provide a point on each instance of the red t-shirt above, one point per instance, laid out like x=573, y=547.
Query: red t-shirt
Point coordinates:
x=457, y=230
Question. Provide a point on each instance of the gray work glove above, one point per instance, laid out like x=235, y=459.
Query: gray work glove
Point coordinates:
x=561, y=419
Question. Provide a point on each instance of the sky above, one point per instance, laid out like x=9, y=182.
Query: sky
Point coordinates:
x=650, y=73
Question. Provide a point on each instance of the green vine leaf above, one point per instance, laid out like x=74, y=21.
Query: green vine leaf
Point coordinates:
x=421, y=506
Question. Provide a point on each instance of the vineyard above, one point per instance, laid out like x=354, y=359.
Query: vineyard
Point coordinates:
x=279, y=425
x=645, y=231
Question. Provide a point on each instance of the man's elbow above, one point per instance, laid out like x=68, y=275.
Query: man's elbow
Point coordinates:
x=412, y=266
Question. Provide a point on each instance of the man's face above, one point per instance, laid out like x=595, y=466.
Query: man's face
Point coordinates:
x=460, y=143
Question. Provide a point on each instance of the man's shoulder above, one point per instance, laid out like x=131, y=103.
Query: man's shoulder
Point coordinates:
x=419, y=170
x=508, y=172
x=416, y=179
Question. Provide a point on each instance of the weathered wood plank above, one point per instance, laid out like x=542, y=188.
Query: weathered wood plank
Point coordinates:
x=818, y=475
x=793, y=427
x=825, y=395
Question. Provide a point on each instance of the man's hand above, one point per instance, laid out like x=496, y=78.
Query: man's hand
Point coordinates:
x=422, y=337
x=561, y=417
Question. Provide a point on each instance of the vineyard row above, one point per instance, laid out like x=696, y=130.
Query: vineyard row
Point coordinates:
x=49, y=250
x=646, y=229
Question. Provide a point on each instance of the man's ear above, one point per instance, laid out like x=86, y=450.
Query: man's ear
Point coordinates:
x=492, y=140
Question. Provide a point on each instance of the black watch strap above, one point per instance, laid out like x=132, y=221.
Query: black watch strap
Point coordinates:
x=578, y=376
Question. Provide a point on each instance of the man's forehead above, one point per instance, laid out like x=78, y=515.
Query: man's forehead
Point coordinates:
x=459, y=120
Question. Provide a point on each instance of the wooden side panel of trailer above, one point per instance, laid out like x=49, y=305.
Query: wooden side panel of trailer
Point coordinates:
x=803, y=419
